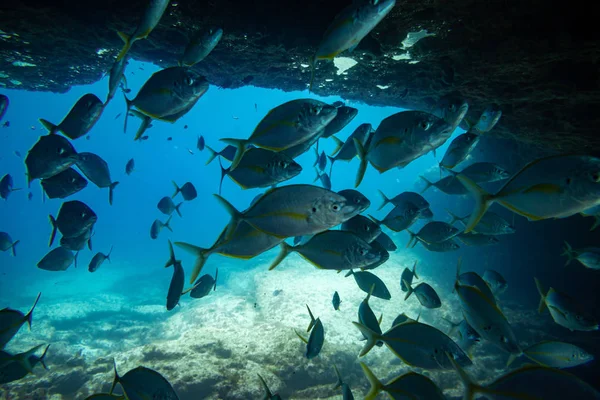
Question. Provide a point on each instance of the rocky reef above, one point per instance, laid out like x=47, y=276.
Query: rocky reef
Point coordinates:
x=538, y=62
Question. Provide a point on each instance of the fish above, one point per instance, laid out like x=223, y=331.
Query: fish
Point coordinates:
x=6, y=243
x=324, y=178
x=403, y=198
x=166, y=206
x=168, y=94
x=433, y=232
x=6, y=186
x=589, y=257
x=531, y=382
x=362, y=227
x=347, y=149
x=20, y=365
x=116, y=77
x=332, y=249
x=451, y=109
x=344, y=116
x=200, y=46
x=400, y=139
x=367, y=317
x=245, y=243
x=261, y=168
x=490, y=224
x=459, y=149
x=6, y=124
x=63, y=184
x=400, y=218
x=427, y=295
x=293, y=210
x=495, y=281
x=268, y=394
x=348, y=28
x=286, y=125
x=565, y=311
x=417, y=345
x=473, y=279
x=204, y=285
x=553, y=354
x=386, y=242
x=98, y=260
x=177, y=281
x=449, y=185
x=188, y=191
x=77, y=243
x=49, y=156
x=477, y=239
x=58, y=259
x=11, y=322
x=551, y=187
x=158, y=225
x=144, y=383
x=96, y=170
x=411, y=384
x=29, y=196
x=407, y=277
x=482, y=172
x=346, y=392
x=486, y=318
x=74, y=218
x=4, y=103
x=357, y=198
x=152, y=15
x=321, y=160
x=336, y=301
x=488, y=119
x=370, y=283
x=468, y=337
x=80, y=119
x=315, y=341
x=130, y=166
x=443, y=247
x=200, y=144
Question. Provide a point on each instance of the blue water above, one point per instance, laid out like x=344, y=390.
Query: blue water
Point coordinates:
x=136, y=273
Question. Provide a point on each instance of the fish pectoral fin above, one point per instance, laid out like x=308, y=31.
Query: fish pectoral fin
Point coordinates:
x=546, y=188
x=258, y=169
x=389, y=140
x=562, y=314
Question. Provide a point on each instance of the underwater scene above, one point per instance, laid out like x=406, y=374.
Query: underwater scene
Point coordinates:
x=165, y=238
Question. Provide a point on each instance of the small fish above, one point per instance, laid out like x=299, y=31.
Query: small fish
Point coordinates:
x=386, y=242
x=490, y=224
x=427, y=295
x=18, y=153
x=433, y=232
x=169, y=139
x=459, y=149
x=152, y=15
x=7, y=186
x=80, y=119
x=551, y=187
x=268, y=394
x=177, y=281
x=58, y=259
x=565, y=311
x=589, y=257
x=200, y=46
x=336, y=301
x=130, y=166
x=190, y=151
x=286, y=125
x=98, y=260
x=488, y=119
x=11, y=322
x=332, y=249
x=166, y=206
x=346, y=392
x=449, y=185
x=324, y=178
x=321, y=160
x=407, y=277
x=185, y=127
x=188, y=191
x=555, y=354
x=200, y=143
x=344, y=116
x=20, y=365
x=63, y=184
x=74, y=218
x=6, y=124
x=370, y=283
x=362, y=227
x=4, y=103
x=30, y=196
x=400, y=218
x=96, y=170
x=204, y=285
x=315, y=341
x=412, y=384
x=158, y=225
x=116, y=78
x=144, y=383
x=477, y=239
x=496, y=281
x=403, y=198
x=49, y=156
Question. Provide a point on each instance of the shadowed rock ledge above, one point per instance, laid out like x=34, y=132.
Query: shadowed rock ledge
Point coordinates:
x=540, y=63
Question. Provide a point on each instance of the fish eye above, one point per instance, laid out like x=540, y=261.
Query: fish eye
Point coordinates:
x=189, y=80
x=335, y=207
x=596, y=177
x=578, y=317
x=363, y=251
x=424, y=125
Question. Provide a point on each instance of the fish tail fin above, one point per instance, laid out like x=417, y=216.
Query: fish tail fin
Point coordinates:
x=339, y=378
x=312, y=319
x=428, y=183
x=458, y=267
x=212, y=154
x=264, y=384
x=167, y=224
x=178, y=210
x=542, y=304
x=569, y=253
x=29, y=315
x=362, y=168
x=409, y=289
x=483, y=200
x=116, y=379
x=42, y=358
x=372, y=338
x=376, y=385
x=471, y=388
x=49, y=125
x=201, y=256
x=453, y=326
x=236, y=216
x=224, y=172
x=177, y=189
x=128, y=103
x=126, y=45
x=241, y=150
x=413, y=236
x=54, y=227
x=109, y=253
x=111, y=190
x=172, y=260
x=454, y=217
x=414, y=270
x=331, y=161
x=338, y=146
x=216, y=277
x=596, y=223
x=283, y=253
x=384, y=198
x=13, y=248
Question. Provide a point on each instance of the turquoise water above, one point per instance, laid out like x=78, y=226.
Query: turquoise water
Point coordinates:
x=213, y=347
